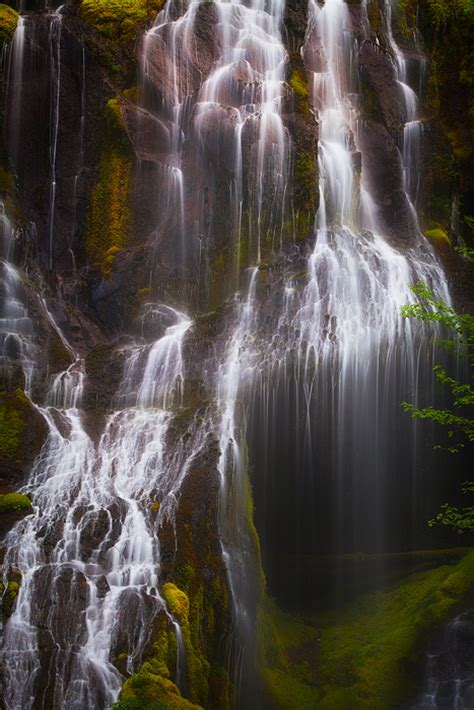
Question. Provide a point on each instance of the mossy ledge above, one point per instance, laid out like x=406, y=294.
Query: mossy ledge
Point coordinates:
x=366, y=656
x=8, y=22
x=120, y=20
x=14, y=502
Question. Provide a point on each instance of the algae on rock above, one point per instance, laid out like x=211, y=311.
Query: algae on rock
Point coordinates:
x=8, y=22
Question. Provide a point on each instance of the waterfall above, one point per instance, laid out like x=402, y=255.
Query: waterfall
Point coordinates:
x=91, y=543
x=341, y=355
x=55, y=63
x=235, y=111
x=17, y=343
x=412, y=132
x=239, y=548
x=302, y=388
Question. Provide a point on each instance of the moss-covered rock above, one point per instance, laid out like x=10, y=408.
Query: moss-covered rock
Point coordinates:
x=13, y=502
x=304, y=182
x=22, y=434
x=287, y=649
x=119, y=20
x=147, y=690
x=448, y=32
x=366, y=655
x=8, y=23
x=9, y=596
x=437, y=234
x=109, y=222
x=12, y=425
x=176, y=601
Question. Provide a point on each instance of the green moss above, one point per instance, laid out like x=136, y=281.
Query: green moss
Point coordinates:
x=147, y=690
x=109, y=221
x=305, y=192
x=12, y=425
x=22, y=429
x=152, y=682
x=222, y=272
x=373, y=648
x=437, y=234
x=119, y=20
x=282, y=638
x=448, y=33
x=299, y=85
x=364, y=656
x=371, y=108
x=8, y=23
x=176, y=601
x=9, y=596
x=13, y=502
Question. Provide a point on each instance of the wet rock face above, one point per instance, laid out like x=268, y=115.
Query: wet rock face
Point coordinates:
x=449, y=670
x=22, y=434
x=381, y=159
x=200, y=49
x=149, y=136
x=31, y=127
x=377, y=67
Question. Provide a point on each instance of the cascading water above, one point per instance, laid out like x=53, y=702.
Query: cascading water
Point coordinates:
x=234, y=120
x=55, y=62
x=412, y=132
x=16, y=327
x=302, y=390
x=92, y=538
x=350, y=355
x=240, y=552
x=230, y=130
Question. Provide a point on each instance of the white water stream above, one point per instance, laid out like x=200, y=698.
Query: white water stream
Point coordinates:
x=89, y=555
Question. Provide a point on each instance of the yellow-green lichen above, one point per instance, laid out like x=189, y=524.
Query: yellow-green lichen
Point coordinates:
x=177, y=602
x=8, y=23
x=12, y=425
x=12, y=502
x=437, y=235
x=119, y=20
x=299, y=84
x=109, y=221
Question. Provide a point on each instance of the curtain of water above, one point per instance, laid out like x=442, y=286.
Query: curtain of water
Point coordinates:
x=89, y=556
x=328, y=463
x=311, y=379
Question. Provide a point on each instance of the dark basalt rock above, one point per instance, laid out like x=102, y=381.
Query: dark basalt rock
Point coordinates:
x=201, y=51
x=149, y=136
x=382, y=164
x=378, y=69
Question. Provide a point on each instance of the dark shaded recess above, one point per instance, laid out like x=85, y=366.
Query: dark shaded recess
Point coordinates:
x=317, y=495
